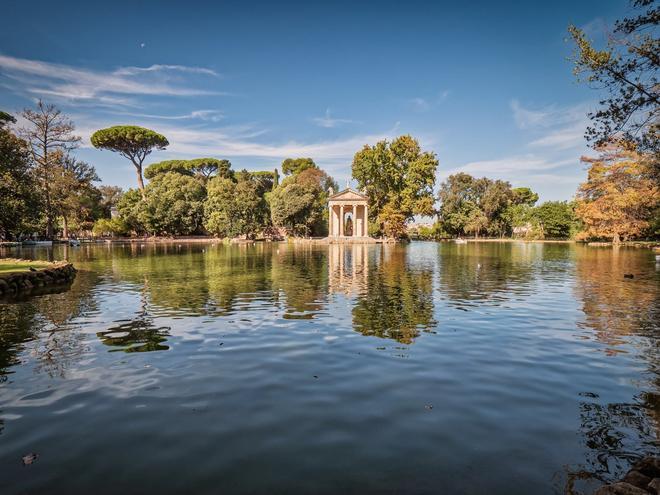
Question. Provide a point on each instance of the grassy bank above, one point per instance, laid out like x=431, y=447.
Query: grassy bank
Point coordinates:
x=14, y=265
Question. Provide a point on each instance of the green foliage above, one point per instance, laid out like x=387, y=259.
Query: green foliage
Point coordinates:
x=626, y=69
x=523, y=196
x=132, y=142
x=299, y=203
x=204, y=168
x=235, y=208
x=19, y=205
x=128, y=207
x=174, y=205
x=556, y=219
x=292, y=166
x=471, y=205
x=475, y=206
x=398, y=178
x=110, y=227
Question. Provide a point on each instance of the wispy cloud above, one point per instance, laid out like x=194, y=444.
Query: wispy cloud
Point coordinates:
x=131, y=71
x=559, y=128
x=74, y=84
x=551, y=142
x=328, y=121
x=245, y=141
x=204, y=115
x=424, y=104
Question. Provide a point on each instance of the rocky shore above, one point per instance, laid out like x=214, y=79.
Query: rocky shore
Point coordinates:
x=642, y=479
x=22, y=283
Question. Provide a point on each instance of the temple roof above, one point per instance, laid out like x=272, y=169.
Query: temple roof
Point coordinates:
x=348, y=194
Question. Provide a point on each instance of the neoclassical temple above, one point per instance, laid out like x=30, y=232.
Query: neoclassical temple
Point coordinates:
x=348, y=214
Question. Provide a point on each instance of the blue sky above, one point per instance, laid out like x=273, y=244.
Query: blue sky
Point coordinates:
x=486, y=85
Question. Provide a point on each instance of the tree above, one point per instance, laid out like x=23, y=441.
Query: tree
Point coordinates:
x=299, y=203
x=523, y=196
x=109, y=226
x=19, y=206
x=398, y=175
x=132, y=142
x=626, y=70
x=50, y=138
x=235, y=208
x=495, y=200
x=128, y=207
x=110, y=196
x=204, y=168
x=555, y=219
x=471, y=205
x=292, y=166
x=174, y=205
x=620, y=196
x=74, y=195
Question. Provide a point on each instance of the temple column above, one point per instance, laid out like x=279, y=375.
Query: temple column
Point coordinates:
x=365, y=224
x=354, y=233
x=329, y=221
x=341, y=221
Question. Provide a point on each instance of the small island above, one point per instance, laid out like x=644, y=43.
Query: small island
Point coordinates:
x=21, y=277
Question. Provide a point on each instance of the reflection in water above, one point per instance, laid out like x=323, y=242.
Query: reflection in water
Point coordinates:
x=396, y=297
x=138, y=335
x=542, y=344
x=615, y=309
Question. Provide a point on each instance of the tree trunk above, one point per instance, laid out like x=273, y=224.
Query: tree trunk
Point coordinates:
x=65, y=227
x=617, y=239
x=138, y=170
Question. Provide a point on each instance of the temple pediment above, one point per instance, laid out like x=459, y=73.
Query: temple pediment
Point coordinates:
x=348, y=195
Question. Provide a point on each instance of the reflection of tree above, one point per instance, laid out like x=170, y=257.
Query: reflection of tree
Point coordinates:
x=398, y=301
x=300, y=273
x=137, y=335
x=615, y=310
x=18, y=325
x=238, y=273
x=614, y=306
x=493, y=271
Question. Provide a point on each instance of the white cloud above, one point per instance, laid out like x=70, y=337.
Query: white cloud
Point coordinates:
x=329, y=122
x=130, y=71
x=205, y=115
x=548, y=156
x=419, y=104
x=73, y=84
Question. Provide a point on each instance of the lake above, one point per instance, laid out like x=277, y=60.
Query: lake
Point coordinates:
x=500, y=368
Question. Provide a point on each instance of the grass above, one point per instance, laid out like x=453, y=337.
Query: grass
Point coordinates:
x=8, y=266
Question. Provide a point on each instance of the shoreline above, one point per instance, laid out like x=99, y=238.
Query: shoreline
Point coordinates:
x=58, y=274
x=654, y=245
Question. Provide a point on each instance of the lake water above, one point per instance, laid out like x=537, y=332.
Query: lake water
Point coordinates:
x=500, y=368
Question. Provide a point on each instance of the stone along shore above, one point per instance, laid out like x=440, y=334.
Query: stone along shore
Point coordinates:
x=25, y=282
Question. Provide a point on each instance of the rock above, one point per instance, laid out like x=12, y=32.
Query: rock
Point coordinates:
x=654, y=486
x=648, y=466
x=637, y=479
x=620, y=489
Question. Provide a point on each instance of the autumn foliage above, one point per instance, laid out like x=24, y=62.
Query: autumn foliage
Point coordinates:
x=620, y=196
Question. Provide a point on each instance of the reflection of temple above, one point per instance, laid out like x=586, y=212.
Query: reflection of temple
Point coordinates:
x=348, y=268
x=348, y=214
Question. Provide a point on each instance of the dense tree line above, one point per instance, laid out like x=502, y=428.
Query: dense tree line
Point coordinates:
x=48, y=191
x=476, y=207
